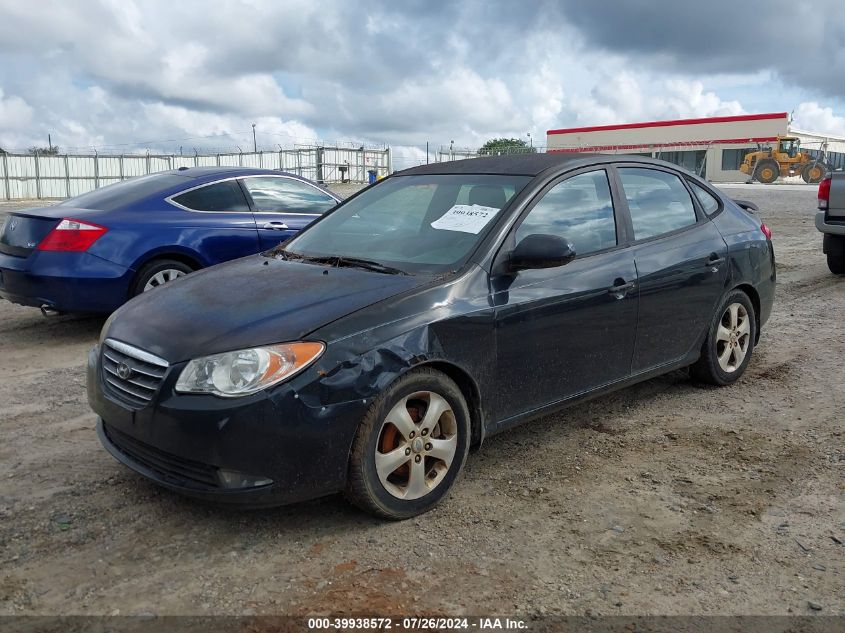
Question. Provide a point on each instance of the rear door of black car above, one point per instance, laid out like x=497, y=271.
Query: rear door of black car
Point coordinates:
x=566, y=330
x=681, y=262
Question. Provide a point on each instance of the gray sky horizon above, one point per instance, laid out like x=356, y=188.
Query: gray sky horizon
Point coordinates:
x=131, y=75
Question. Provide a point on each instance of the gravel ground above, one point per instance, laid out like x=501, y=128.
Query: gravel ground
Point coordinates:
x=663, y=498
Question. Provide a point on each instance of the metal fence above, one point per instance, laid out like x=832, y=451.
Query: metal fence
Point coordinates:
x=25, y=176
x=834, y=160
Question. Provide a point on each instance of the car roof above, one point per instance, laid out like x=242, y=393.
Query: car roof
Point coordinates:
x=202, y=175
x=526, y=164
x=224, y=172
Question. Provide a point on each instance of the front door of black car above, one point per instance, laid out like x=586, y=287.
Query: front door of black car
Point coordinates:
x=563, y=331
x=681, y=263
x=284, y=206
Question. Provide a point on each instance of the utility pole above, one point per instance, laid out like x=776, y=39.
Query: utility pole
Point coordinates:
x=254, y=142
x=50, y=143
x=531, y=140
x=426, y=152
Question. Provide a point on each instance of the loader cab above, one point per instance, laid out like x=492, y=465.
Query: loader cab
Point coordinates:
x=789, y=146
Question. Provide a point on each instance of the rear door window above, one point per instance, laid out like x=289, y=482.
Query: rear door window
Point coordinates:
x=218, y=197
x=657, y=200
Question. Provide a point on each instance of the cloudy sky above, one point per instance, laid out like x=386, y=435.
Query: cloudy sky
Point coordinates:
x=127, y=75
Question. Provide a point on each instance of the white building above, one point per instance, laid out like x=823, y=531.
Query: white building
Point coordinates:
x=712, y=147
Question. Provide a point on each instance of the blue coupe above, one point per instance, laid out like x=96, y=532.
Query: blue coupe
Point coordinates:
x=94, y=252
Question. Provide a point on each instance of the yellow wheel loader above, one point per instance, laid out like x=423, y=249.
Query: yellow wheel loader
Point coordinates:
x=785, y=159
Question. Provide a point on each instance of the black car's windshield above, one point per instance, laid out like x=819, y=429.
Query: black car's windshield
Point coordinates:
x=416, y=224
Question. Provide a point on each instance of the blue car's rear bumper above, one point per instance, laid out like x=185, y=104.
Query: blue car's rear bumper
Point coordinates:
x=68, y=282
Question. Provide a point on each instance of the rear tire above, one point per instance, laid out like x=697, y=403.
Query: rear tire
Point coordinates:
x=400, y=470
x=767, y=171
x=730, y=342
x=157, y=273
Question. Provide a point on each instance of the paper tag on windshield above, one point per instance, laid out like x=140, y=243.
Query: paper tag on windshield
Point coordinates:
x=467, y=218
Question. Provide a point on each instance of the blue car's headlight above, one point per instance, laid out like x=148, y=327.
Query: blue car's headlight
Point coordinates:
x=243, y=372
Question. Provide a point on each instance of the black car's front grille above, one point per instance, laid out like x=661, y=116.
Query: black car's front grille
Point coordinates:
x=131, y=374
x=177, y=470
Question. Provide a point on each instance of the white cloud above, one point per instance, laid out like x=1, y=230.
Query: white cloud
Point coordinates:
x=811, y=117
x=118, y=73
x=627, y=98
x=15, y=113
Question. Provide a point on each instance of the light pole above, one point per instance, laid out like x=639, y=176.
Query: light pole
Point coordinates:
x=254, y=142
x=530, y=140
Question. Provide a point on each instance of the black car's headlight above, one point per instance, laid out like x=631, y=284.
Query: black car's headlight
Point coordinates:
x=243, y=372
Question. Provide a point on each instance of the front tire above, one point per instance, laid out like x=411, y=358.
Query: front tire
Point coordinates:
x=410, y=447
x=730, y=342
x=767, y=171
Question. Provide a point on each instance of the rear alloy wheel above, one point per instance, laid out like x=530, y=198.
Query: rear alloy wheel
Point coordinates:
x=730, y=342
x=157, y=273
x=410, y=447
x=767, y=171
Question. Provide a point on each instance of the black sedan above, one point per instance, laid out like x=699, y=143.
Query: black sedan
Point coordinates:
x=441, y=305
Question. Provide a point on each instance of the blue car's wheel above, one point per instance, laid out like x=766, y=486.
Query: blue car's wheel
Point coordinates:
x=157, y=273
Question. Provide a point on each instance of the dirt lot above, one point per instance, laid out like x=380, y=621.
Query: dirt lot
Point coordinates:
x=663, y=498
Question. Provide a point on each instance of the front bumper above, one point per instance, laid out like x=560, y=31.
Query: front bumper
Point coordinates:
x=828, y=227
x=67, y=282
x=188, y=443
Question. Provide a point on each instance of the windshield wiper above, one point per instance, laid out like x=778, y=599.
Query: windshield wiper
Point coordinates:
x=338, y=261
x=280, y=253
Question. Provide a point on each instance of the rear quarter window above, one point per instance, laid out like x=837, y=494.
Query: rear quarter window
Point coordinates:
x=708, y=202
x=220, y=197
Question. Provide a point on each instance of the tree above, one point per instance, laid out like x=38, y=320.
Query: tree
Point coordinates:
x=506, y=146
x=45, y=151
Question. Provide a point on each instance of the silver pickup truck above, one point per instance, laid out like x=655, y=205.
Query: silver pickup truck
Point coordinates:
x=830, y=220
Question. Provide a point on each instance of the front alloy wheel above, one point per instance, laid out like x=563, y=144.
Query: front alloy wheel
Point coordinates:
x=417, y=445
x=410, y=446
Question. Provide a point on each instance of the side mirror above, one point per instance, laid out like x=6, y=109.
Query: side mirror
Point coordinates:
x=541, y=251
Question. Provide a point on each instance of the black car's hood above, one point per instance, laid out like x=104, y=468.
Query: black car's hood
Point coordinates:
x=245, y=303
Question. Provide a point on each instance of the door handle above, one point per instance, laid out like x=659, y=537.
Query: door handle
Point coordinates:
x=275, y=226
x=715, y=260
x=620, y=288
